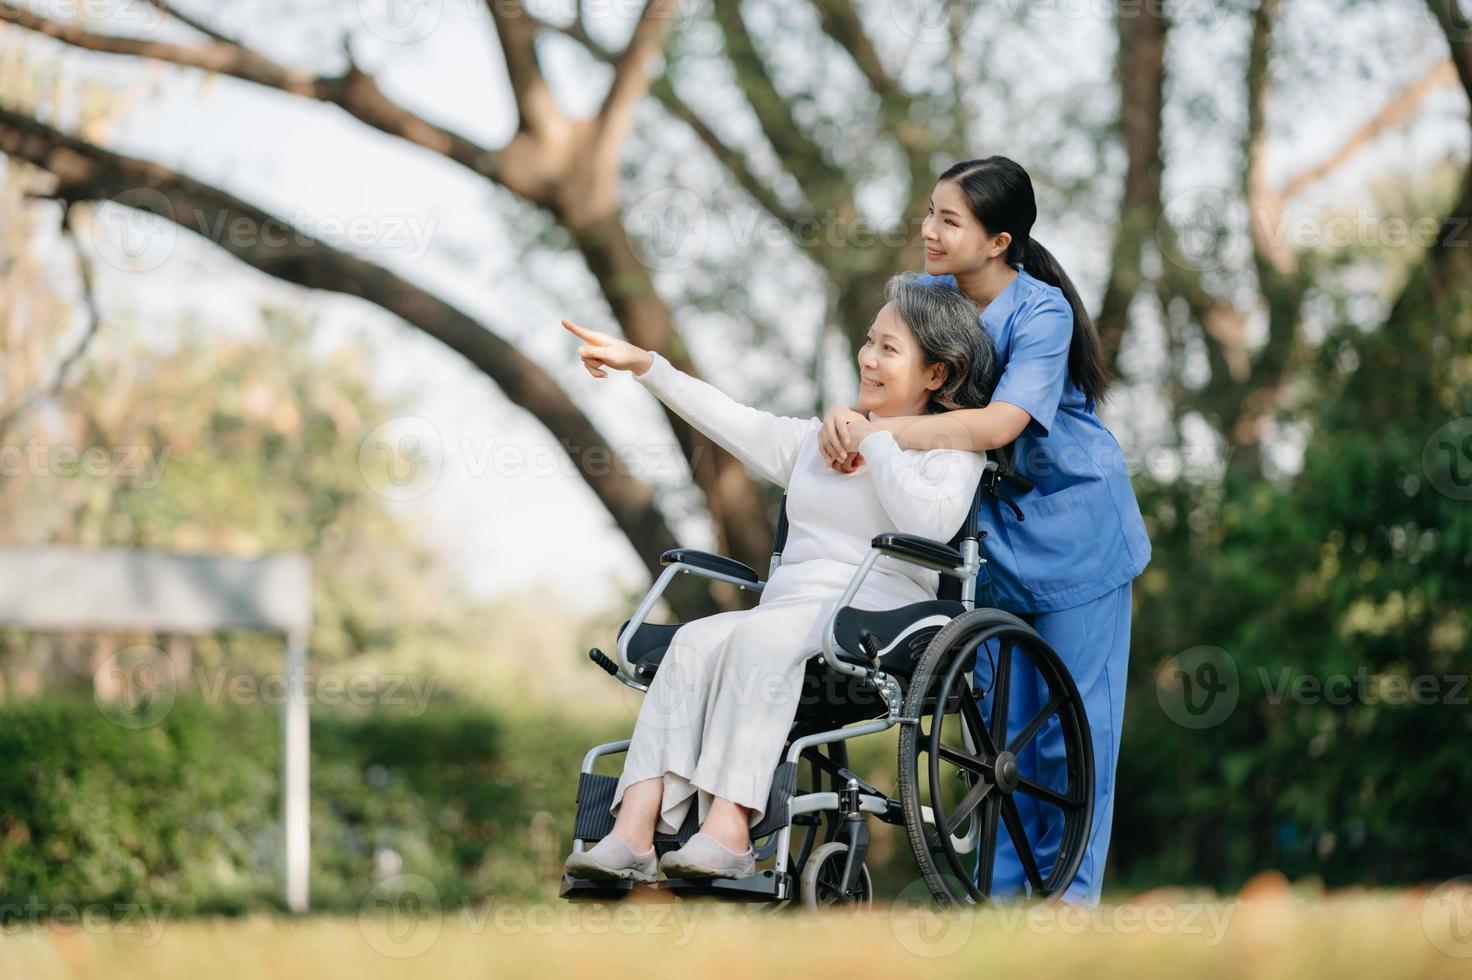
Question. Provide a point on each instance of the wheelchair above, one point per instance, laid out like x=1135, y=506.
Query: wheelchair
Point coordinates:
x=958, y=786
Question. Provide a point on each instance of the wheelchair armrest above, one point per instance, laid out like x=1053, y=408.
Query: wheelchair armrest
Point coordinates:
x=920, y=551
x=709, y=562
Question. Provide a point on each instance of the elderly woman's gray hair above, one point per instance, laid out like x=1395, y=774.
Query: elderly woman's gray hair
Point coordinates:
x=947, y=326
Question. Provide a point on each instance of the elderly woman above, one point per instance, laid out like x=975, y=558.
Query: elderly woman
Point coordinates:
x=714, y=720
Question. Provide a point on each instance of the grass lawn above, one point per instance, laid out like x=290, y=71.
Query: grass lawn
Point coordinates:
x=1269, y=931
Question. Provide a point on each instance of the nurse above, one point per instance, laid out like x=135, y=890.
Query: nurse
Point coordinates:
x=1067, y=568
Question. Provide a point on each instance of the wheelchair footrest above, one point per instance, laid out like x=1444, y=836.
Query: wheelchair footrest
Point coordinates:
x=595, y=888
x=763, y=886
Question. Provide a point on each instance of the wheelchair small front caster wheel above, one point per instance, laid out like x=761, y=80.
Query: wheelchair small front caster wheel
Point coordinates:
x=822, y=880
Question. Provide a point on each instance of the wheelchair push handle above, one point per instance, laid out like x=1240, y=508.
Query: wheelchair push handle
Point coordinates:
x=603, y=660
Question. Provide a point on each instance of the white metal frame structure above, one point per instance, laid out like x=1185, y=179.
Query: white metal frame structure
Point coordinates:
x=53, y=588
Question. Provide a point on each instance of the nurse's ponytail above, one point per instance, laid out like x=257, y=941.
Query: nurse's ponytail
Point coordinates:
x=1000, y=194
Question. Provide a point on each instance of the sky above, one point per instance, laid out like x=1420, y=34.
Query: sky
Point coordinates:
x=504, y=505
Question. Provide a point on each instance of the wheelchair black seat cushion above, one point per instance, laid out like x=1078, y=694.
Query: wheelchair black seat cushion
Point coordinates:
x=901, y=633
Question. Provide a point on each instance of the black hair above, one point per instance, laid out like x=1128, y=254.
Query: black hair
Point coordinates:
x=999, y=193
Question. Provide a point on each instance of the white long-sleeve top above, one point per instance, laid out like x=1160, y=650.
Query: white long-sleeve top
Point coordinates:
x=832, y=516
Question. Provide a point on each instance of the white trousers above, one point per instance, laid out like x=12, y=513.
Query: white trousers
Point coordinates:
x=718, y=711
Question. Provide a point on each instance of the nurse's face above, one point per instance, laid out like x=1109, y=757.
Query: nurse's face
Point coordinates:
x=893, y=376
x=956, y=243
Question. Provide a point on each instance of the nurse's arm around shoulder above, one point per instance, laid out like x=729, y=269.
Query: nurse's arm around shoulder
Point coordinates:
x=924, y=493
x=1026, y=398
x=764, y=442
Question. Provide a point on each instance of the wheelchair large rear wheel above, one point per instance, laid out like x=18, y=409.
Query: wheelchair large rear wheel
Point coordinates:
x=957, y=762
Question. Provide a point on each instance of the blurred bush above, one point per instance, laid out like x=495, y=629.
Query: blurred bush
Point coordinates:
x=187, y=814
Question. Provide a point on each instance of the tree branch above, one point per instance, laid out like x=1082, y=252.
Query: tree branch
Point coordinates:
x=1446, y=269
x=727, y=156
x=354, y=91
x=1395, y=112
x=84, y=172
x=190, y=22
x=631, y=76
x=825, y=185
x=94, y=324
x=536, y=108
x=841, y=22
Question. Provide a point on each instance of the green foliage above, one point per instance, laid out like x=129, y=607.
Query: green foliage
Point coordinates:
x=240, y=445
x=185, y=815
x=1342, y=600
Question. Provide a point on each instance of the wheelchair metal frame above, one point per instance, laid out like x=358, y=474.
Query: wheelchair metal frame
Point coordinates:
x=858, y=797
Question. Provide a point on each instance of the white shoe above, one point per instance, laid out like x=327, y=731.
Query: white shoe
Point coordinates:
x=705, y=857
x=611, y=859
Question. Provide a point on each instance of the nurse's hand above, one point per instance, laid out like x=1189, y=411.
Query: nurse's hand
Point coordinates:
x=605, y=350
x=836, y=439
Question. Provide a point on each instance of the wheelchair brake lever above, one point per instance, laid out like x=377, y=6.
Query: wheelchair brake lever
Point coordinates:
x=869, y=641
x=999, y=485
x=1004, y=498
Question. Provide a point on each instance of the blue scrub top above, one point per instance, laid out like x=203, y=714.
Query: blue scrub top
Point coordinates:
x=1083, y=535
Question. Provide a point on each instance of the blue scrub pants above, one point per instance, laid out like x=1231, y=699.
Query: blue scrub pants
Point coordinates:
x=1093, y=640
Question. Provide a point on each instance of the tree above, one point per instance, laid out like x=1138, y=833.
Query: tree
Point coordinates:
x=908, y=108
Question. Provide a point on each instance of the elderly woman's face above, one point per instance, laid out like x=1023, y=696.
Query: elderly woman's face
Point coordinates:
x=893, y=376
